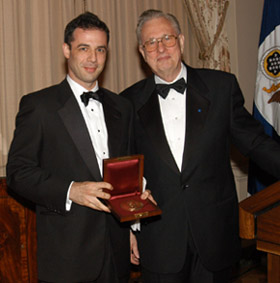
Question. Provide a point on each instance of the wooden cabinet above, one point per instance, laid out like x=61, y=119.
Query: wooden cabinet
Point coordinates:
x=17, y=239
x=259, y=218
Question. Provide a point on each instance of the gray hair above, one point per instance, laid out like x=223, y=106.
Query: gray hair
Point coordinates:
x=155, y=14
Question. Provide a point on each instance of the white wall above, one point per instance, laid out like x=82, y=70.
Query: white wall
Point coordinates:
x=243, y=24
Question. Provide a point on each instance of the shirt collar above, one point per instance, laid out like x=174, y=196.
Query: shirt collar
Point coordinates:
x=78, y=89
x=182, y=74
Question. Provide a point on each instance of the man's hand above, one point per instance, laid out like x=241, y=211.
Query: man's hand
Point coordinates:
x=147, y=195
x=89, y=193
x=134, y=253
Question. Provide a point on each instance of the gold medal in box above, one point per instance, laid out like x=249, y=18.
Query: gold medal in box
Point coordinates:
x=125, y=174
x=131, y=205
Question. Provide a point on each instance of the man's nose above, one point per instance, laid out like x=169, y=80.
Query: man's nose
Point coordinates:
x=92, y=56
x=160, y=45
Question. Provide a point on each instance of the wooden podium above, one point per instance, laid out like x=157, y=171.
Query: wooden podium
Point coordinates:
x=259, y=218
x=18, y=242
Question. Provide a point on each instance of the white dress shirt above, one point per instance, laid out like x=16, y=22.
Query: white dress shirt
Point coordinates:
x=173, y=113
x=95, y=121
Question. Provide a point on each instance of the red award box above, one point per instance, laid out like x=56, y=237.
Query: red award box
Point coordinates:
x=125, y=174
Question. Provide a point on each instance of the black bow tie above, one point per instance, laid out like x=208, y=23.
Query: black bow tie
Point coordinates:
x=87, y=95
x=163, y=89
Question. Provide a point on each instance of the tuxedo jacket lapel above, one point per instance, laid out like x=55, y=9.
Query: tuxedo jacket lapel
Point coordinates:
x=150, y=117
x=74, y=122
x=197, y=106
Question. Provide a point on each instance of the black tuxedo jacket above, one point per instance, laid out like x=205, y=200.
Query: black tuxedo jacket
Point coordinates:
x=51, y=148
x=200, y=200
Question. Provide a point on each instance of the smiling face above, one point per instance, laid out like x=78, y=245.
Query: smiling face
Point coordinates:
x=87, y=56
x=164, y=61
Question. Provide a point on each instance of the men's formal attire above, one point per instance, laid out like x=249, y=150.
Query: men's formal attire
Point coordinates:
x=197, y=195
x=52, y=147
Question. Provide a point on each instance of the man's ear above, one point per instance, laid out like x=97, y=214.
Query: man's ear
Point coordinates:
x=182, y=42
x=142, y=51
x=66, y=50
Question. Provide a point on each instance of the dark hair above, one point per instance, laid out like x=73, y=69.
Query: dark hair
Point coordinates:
x=84, y=21
x=154, y=14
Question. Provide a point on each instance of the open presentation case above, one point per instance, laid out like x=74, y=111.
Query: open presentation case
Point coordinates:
x=125, y=174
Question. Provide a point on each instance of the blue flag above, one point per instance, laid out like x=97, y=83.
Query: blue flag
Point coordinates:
x=266, y=106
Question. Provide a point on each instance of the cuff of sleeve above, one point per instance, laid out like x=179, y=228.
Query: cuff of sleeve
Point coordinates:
x=68, y=202
x=136, y=226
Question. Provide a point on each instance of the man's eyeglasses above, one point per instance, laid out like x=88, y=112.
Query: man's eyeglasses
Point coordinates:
x=167, y=40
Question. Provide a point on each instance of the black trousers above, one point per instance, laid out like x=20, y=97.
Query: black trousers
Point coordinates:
x=108, y=273
x=193, y=271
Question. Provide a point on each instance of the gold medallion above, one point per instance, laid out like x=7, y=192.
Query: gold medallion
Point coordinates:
x=131, y=205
